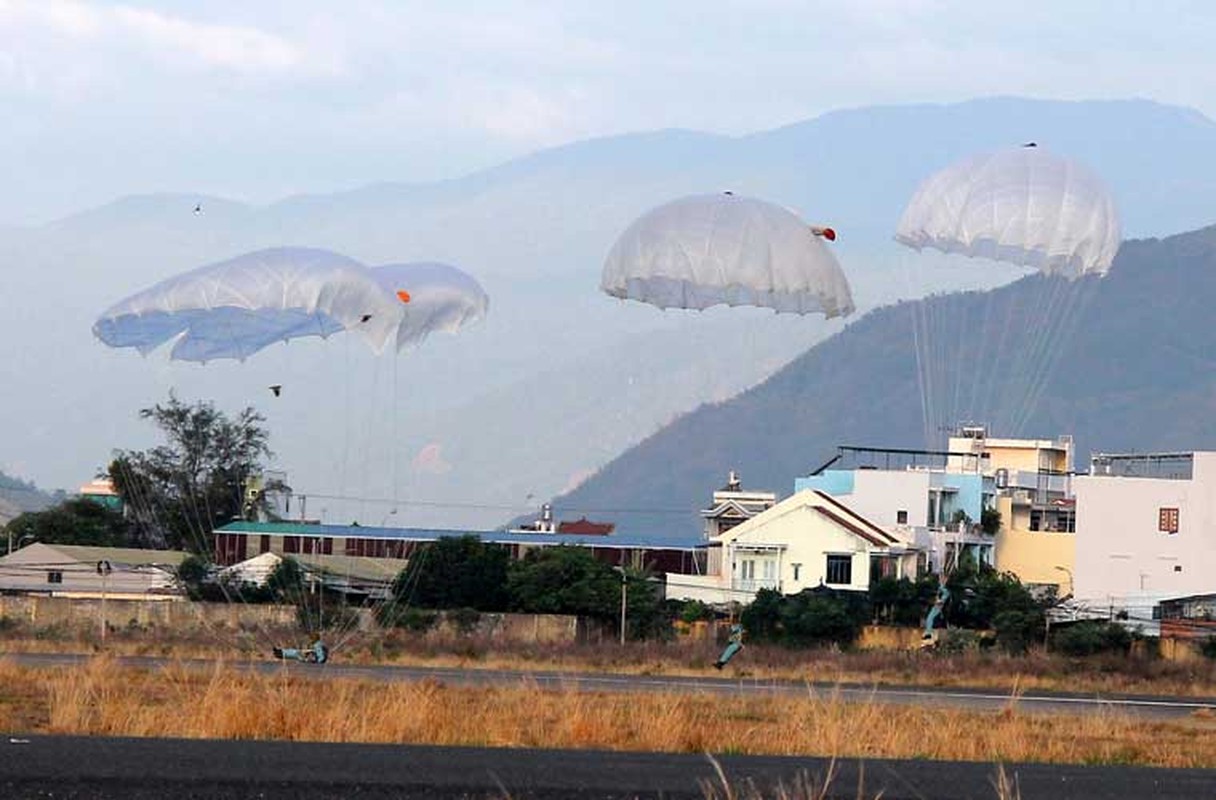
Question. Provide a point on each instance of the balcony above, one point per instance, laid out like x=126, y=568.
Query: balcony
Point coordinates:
x=754, y=585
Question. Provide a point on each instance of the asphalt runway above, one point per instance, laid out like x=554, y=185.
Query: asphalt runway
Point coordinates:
x=84, y=768
x=1147, y=706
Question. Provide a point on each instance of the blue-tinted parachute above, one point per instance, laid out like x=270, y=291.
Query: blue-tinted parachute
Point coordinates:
x=234, y=308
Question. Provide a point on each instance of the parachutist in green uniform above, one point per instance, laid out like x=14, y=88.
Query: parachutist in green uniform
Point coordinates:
x=736, y=644
x=315, y=653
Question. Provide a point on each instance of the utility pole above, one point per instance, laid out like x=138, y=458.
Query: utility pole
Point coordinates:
x=624, y=604
x=104, y=569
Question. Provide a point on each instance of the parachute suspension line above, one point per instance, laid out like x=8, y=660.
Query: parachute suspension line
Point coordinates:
x=396, y=441
x=1038, y=324
x=1044, y=322
x=982, y=371
x=156, y=515
x=920, y=347
x=346, y=409
x=1078, y=295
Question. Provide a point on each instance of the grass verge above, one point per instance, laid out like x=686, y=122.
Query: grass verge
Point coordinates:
x=105, y=698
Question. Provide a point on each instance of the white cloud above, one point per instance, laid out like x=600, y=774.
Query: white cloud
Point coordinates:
x=51, y=30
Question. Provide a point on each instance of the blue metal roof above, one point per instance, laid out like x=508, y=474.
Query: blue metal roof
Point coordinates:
x=629, y=541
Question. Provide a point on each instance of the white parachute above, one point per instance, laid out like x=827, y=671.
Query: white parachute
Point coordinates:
x=234, y=308
x=1029, y=208
x=1023, y=205
x=725, y=249
x=437, y=297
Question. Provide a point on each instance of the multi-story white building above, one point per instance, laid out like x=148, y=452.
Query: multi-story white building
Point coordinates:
x=938, y=500
x=1146, y=529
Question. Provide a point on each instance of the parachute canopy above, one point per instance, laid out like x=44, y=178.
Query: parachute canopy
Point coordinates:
x=437, y=297
x=725, y=249
x=1023, y=205
x=234, y=308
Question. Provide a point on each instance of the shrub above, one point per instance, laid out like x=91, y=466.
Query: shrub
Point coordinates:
x=695, y=611
x=1208, y=647
x=811, y=617
x=1016, y=630
x=1092, y=637
x=957, y=640
x=465, y=620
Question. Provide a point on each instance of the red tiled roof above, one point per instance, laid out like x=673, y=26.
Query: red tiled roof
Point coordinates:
x=585, y=527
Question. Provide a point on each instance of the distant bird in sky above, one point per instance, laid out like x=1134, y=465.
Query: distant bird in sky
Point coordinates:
x=1031, y=144
x=198, y=208
x=365, y=317
x=277, y=388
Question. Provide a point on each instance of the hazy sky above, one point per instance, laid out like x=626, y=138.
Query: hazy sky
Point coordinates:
x=254, y=100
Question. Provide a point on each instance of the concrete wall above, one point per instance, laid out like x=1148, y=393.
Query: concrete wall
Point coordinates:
x=1121, y=552
x=877, y=495
x=532, y=628
x=185, y=616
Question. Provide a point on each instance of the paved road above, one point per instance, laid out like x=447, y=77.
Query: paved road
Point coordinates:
x=975, y=699
x=80, y=768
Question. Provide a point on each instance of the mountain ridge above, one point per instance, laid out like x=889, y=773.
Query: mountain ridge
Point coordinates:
x=1132, y=375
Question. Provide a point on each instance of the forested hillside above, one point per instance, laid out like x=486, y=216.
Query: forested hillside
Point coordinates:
x=1134, y=368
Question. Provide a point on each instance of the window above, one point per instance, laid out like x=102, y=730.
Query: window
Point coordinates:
x=54, y=576
x=770, y=570
x=840, y=570
x=1167, y=520
x=901, y=517
x=748, y=570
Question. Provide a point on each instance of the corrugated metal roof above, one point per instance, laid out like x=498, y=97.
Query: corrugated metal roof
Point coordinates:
x=630, y=541
x=125, y=556
x=357, y=567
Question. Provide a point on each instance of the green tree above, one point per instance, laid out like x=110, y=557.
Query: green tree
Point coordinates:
x=1091, y=637
x=762, y=617
x=982, y=598
x=810, y=618
x=565, y=580
x=990, y=521
x=178, y=492
x=902, y=601
x=456, y=572
x=76, y=521
x=647, y=616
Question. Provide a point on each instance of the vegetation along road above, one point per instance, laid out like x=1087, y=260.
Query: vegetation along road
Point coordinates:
x=1149, y=706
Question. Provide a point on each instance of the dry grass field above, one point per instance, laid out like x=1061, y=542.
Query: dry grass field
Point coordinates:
x=105, y=698
x=988, y=670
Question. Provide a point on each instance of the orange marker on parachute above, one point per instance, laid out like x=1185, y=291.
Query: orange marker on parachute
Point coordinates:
x=403, y=295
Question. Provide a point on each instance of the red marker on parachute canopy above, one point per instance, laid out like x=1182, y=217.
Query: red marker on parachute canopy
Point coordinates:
x=827, y=233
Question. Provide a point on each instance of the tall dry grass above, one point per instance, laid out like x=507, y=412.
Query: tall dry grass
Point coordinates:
x=1034, y=671
x=103, y=698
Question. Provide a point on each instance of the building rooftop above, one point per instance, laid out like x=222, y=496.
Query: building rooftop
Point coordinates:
x=1170, y=466
x=630, y=541
x=117, y=556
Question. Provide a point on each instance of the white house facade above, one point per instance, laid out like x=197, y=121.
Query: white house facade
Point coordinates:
x=807, y=540
x=79, y=571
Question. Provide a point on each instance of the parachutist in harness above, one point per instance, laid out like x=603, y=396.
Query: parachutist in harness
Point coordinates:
x=928, y=638
x=736, y=644
x=316, y=653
